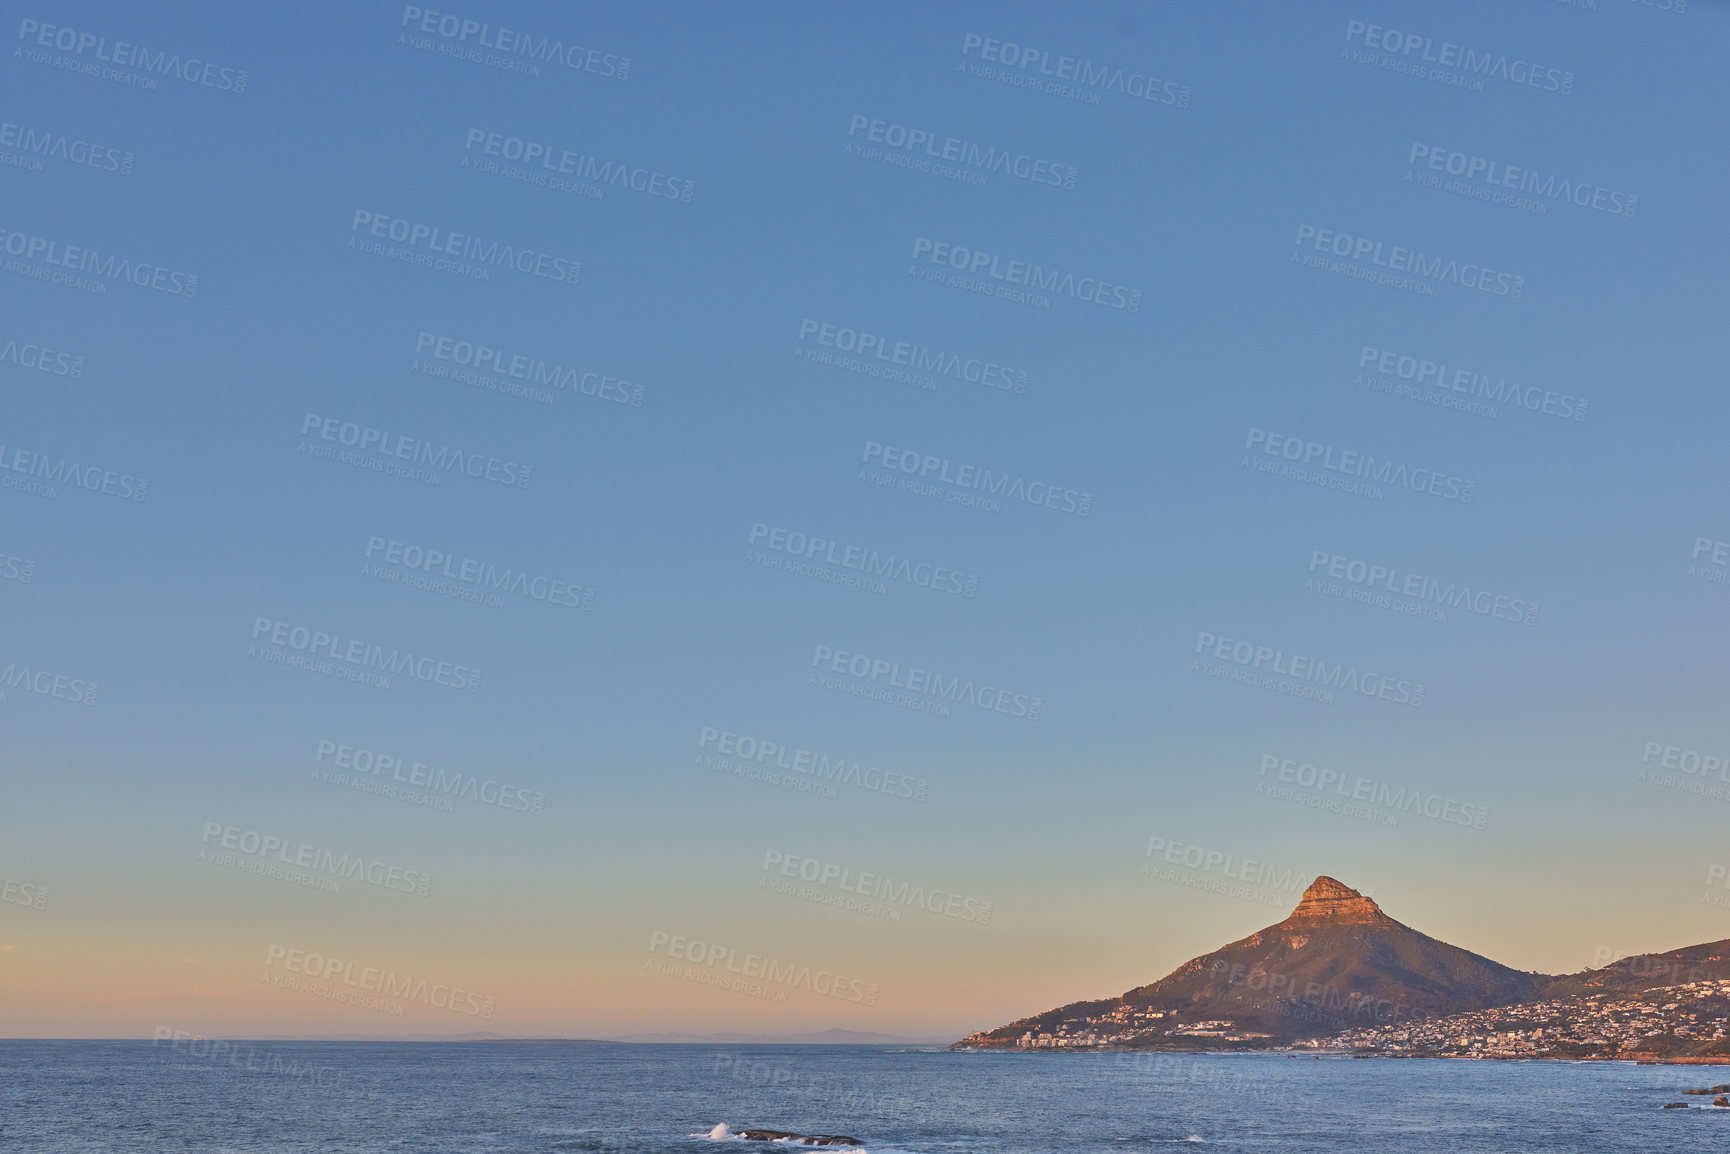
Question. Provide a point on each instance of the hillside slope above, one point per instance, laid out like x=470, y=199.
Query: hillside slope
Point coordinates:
x=1336, y=962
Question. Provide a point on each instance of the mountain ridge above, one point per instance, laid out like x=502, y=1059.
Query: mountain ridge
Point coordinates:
x=1336, y=963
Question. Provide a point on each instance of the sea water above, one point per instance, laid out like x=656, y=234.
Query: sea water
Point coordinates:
x=603, y=1098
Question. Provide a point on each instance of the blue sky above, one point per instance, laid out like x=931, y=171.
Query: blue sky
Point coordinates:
x=1198, y=205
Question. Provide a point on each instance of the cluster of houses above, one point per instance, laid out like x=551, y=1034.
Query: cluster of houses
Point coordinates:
x=1657, y=1022
x=1116, y=1027
x=1123, y=1024
x=1654, y=1023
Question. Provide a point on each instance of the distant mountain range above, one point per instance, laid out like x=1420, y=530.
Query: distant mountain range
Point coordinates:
x=831, y=1037
x=472, y=1036
x=820, y=1038
x=1338, y=964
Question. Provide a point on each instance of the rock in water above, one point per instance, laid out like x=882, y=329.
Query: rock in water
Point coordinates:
x=1675, y=1105
x=802, y=1139
x=1721, y=1100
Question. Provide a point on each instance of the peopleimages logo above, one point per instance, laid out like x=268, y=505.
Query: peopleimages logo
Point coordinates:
x=915, y=357
x=371, y=979
x=363, y=656
x=1373, y=578
x=931, y=685
x=380, y=449
x=59, y=471
x=975, y=262
x=1246, y=879
x=881, y=887
x=318, y=859
x=790, y=975
x=1351, y=466
x=466, y=572
x=552, y=160
x=526, y=374
x=1689, y=761
x=1301, y=671
x=37, y=144
x=1501, y=179
x=1230, y=866
x=981, y=159
x=46, y=683
x=213, y=1054
x=1717, y=555
x=1038, y=69
x=26, y=894
x=935, y=470
x=1685, y=770
x=364, y=762
x=1408, y=51
x=41, y=358
x=126, y=55
x=1357, y=788
x=867, y=562
x=1448, y=379
x=55, y=255
x=435, y=240
x=530, y=50
x=727, y=751
x=1385, y=261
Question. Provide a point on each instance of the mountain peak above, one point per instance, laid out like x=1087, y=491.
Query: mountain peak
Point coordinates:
x=1330, y=902
x=1337, y=962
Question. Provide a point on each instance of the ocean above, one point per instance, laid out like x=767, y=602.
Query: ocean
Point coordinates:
x=600, y=1098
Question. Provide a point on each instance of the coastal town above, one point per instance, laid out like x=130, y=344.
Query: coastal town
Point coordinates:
x=1124, y=1026
x=1690, y=1021
x=1654, y=1024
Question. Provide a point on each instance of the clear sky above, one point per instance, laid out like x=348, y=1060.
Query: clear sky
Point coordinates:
x=1180, y=321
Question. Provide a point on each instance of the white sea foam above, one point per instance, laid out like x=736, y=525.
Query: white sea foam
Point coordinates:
x=724, y=1133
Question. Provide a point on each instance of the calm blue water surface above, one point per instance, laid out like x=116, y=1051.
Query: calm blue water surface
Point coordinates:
x=337, y=1097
